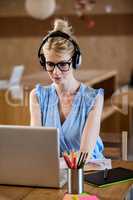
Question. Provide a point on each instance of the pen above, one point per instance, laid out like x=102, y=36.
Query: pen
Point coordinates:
x=79, y=159
x=75, y=162
x=86, y=154
x=72, y=158
x=105, y=173
x=69, y=164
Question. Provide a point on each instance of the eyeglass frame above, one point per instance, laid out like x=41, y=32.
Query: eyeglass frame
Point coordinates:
x=56, y=64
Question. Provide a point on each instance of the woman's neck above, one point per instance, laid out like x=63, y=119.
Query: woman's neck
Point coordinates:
x=69, y=87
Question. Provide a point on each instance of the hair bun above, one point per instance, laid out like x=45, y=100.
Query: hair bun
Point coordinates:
x=62, y=25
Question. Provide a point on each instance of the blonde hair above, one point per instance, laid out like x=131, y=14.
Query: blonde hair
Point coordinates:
x=60, y=44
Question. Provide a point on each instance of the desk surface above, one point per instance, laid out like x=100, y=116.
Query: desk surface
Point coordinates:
x=118, y=191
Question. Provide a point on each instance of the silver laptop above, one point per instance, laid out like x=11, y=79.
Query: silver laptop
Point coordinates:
x=30, y=156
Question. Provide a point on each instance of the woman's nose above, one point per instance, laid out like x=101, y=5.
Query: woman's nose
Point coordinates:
x=56, y=70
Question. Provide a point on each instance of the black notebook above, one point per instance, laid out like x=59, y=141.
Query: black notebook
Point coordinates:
x=114, y=175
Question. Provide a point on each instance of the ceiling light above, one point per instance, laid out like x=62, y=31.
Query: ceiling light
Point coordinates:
x=40, y=9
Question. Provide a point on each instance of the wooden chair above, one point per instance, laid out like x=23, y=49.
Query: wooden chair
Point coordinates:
x=115, y=145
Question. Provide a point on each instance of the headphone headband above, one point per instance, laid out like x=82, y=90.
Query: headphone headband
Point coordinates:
x=77, y=53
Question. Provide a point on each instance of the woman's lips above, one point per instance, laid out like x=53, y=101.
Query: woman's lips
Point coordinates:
x=57, y=78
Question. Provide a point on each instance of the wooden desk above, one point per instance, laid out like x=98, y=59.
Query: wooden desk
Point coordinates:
x=115, y=192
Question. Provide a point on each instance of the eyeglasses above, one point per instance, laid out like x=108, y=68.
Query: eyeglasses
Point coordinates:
x=63, y=66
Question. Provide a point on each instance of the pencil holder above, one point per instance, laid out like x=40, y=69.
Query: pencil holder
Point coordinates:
x=75, y=181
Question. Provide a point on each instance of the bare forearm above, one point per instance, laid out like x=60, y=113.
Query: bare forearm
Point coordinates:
x=90, y=135
x=35, y=121
x=92, y=128
x=35, y=113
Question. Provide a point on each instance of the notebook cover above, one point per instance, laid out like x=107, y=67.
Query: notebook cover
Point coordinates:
x=115, y=175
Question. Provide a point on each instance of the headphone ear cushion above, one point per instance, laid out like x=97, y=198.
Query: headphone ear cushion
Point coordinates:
x=42, y=60
x=79, y=61
x=76, y=60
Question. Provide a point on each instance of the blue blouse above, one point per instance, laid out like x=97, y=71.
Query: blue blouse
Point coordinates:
x=72, y=128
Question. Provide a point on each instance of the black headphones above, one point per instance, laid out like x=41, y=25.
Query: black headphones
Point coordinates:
x=76, y=58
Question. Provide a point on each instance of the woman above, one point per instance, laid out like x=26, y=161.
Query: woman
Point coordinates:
x=67, y=103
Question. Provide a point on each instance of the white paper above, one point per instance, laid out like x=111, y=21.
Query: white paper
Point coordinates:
x=98, y=164
x=92, y=164
x=63, y=164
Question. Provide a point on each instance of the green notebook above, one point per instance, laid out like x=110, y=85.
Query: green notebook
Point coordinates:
x=114, y=176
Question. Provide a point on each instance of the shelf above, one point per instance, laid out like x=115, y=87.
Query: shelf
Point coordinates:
x=108, y=110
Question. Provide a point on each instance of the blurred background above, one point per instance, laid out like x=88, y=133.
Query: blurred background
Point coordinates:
x=104, y=31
